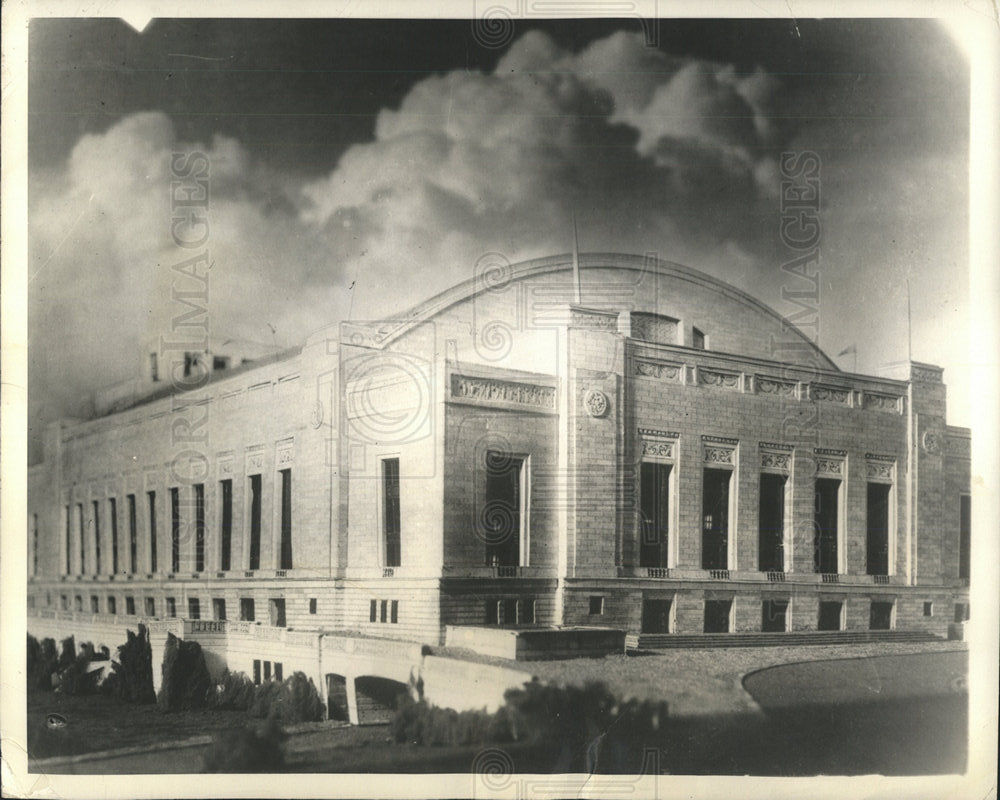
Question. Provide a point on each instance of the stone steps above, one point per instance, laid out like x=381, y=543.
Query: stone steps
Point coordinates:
x=662, y=641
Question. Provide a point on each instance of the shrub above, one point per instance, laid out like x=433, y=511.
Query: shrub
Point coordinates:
x=186, y=684
x=77, y=678
x=252, y=749
x=67, y=654
x=43, y=661
x=293, y=700
x=417, y=722
x=235, y=692
x=132, y=678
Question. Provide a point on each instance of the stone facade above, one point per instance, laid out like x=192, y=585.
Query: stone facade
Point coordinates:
x=490, y=458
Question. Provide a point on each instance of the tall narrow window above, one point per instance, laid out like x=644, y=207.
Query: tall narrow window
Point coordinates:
x=113, y=518
x=771, y=522
x=34, y=544
x=133, y=537
x=715, y=519
x=878, y=528
x=501, y=513
x=964, y=536
x=226, y=488
x=286, y=519
x=654, y=506
x=69, y=542
x=152, y=530
x=255, y=522
x=175, y=530
x=199, y=527
x=825, y=524
x=154, y=368
x=97, y=536
x=194, y=608
x=390, y=522
x=82, y=527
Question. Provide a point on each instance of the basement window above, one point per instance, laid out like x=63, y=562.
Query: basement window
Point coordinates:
x=596, y=604
x=928, y=609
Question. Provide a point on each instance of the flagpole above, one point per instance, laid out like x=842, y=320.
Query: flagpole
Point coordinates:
x=576, y=263
x=909, y=324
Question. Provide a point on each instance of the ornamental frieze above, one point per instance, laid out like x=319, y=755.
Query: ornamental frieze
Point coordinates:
x=830, y=394
x=879, y=469
x=829, y=466
x=925, y=374
x=658, y=449
x=465, y=387
x=881, y=402
x=766, y=385
x=776, y=460
x=658, y=369
x=725, y=380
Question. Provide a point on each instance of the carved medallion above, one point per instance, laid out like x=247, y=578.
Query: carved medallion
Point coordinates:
x=596, y=403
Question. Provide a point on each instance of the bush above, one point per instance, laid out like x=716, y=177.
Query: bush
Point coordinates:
x=235, y=692
x=293, y=700
x=67, y=654
x=132, y=676
x=78, y=678
x=186, y=684
x=253, y=749
x=417, y=722
x=43, y=661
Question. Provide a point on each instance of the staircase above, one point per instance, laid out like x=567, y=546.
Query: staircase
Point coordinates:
x=665, y=641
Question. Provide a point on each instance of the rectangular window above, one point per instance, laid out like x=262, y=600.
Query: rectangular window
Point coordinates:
x=878, y=528
x=175, y=529
x=130, y=605
x=150, y=607
x=78, y=603
x=69, y=542
x=113, y=518
x=277, y=607
x=390, y=515
x=492, y=612
x=964, y=536
x=312, y=605
x=508, y=611
x=279, y=672
x=286, y=519
x=199, y=527
x=501, y=514
x=256, y=671
x=373, y=611
x=194, y=608
x=654, y=507
x=831, y=613
x=82, y=527
x=267, y=670
x=171, y=607
x=880, y=616
x=112, y=605
x=394, y=611
x=95, y=604
x=247, y=609
x=961, y=612
x=774, y=616
x=596, y=604
x=255, y=499
x=154, y=368
x=383, y=611
x=152, y=530
x=715, y=519
x=133, y=537
x=717, y=614
x=771, y=524
x=34, y=544
x=825, y=523
x=526, y=611
x=218, y=608
x=928, y=609
x=97, y=536
x=226, y=523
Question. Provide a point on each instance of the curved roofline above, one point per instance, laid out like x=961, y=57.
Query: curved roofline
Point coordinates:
x=564, y=261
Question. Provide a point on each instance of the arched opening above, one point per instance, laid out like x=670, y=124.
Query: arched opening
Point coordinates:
x=377, y=698
x=336, y=697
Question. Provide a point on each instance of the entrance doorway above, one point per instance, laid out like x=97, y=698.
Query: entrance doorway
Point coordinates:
x=656, y=615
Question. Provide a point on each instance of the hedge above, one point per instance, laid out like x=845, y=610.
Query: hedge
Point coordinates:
x=252, y=749
x=293, y=700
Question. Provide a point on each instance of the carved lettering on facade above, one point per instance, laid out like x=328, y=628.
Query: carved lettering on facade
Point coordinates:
x=492, y=390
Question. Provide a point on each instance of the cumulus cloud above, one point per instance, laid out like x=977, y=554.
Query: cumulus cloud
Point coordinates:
x=651, y=152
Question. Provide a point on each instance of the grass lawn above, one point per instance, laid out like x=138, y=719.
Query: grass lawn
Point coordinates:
x=96, y=723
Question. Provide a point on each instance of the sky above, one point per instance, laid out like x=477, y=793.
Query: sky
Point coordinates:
x=357, y=167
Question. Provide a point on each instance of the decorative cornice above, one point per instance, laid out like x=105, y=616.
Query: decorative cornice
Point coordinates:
x=467, y=387
x=882, y=402
x=830, y=394
x=658, y=369
x=775, y=446
x=768, y=385
x=652, y=432
x=724, y=380
x=826, y=451
x=719, y=440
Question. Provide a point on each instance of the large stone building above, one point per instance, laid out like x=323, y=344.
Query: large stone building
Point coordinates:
x=643, y=448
